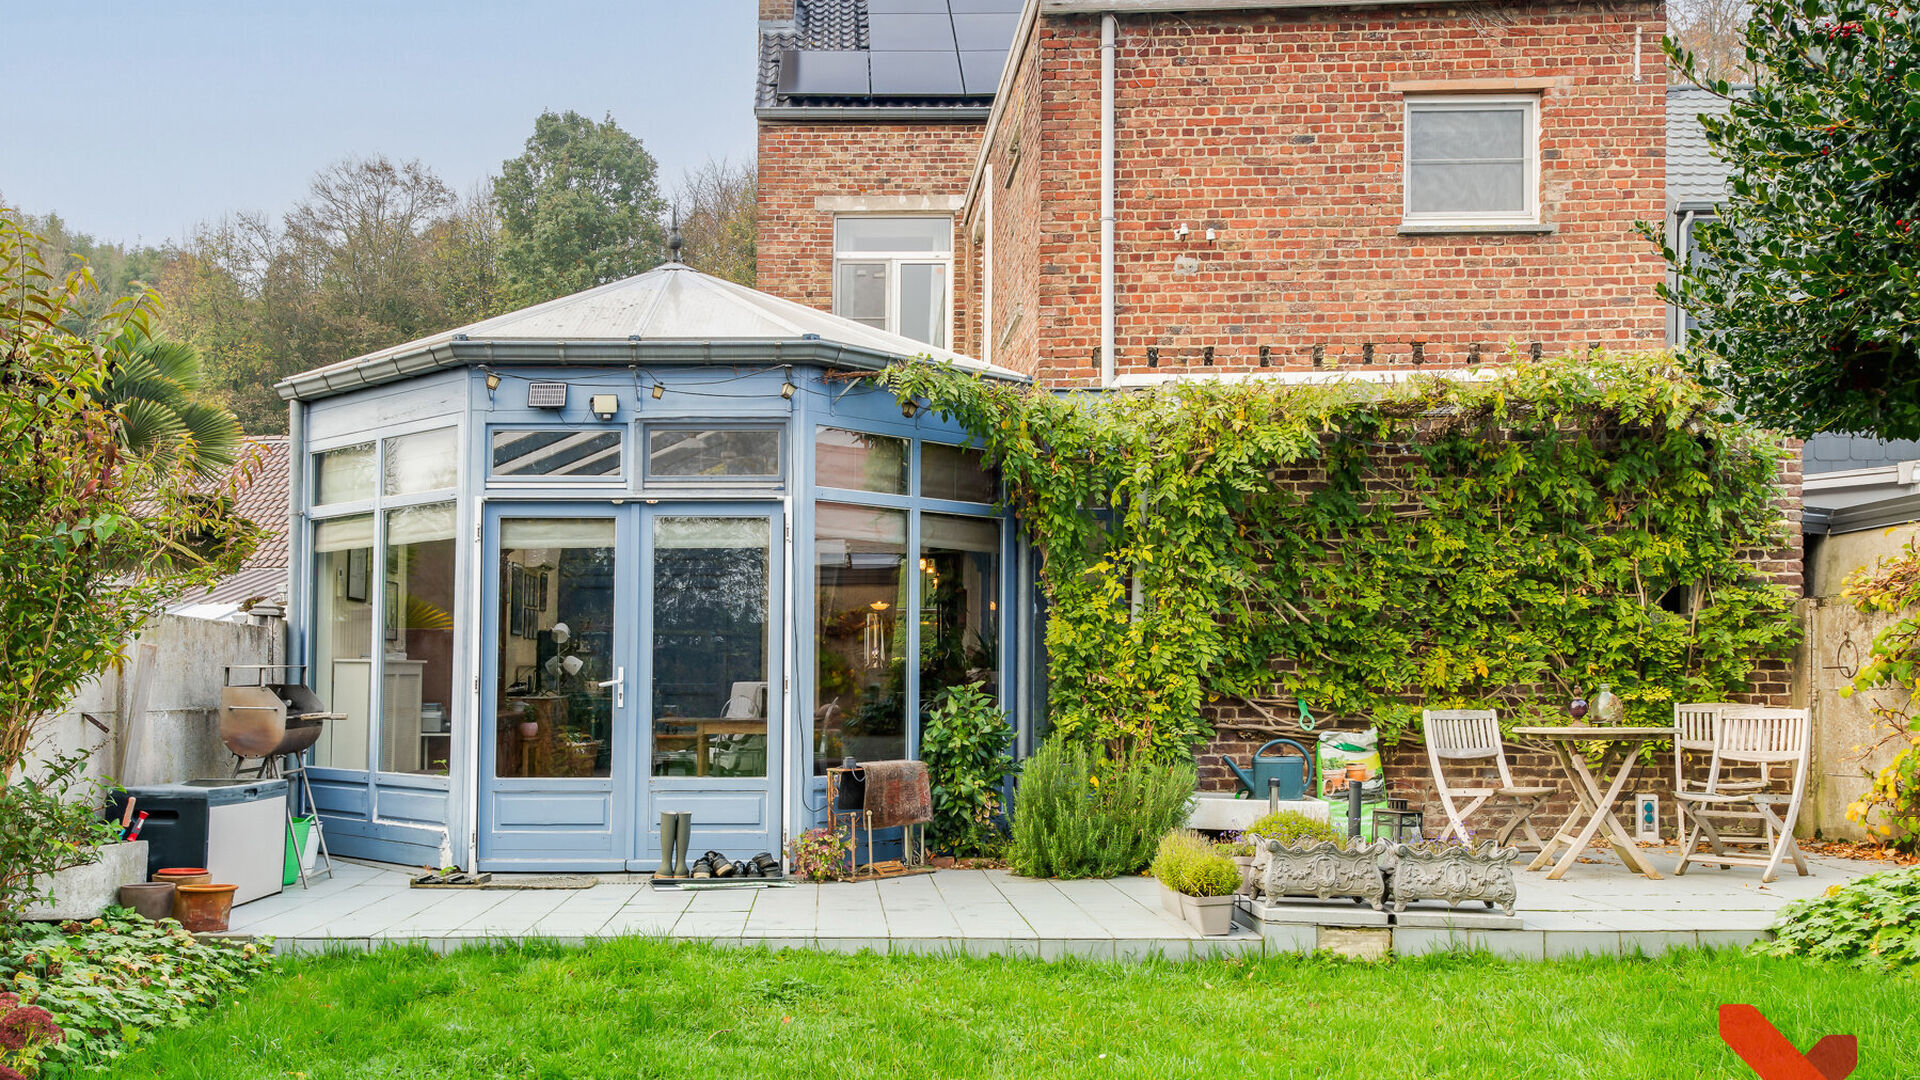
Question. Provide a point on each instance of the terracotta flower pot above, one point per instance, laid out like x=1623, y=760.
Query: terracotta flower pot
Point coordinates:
x=203, y=908
x=152, y=899
x=529, y=729
x=184, y=875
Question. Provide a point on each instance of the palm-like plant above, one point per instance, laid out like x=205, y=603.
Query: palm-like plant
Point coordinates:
x=157, y=389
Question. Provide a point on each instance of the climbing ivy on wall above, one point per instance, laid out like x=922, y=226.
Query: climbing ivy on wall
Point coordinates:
x=1366, y=549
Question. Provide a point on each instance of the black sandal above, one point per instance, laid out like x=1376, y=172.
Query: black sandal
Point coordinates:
x=724, y=867
x=702, y=867
x=739, y=869
x=766, y=864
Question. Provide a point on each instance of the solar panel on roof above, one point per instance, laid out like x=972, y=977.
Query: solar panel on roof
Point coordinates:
x=934, y=74
x=910, y=7
x=984, y=7
x=898, y=32
x=980, y=71
x=981, y=32
x=823, y=73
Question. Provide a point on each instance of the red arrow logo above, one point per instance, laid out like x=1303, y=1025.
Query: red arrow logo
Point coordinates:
x=1772, y=1057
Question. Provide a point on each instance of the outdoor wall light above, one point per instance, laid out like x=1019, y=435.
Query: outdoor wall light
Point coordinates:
x=493, y=380
x=546, y=395
x=604, y=406
x=786, y=390
x=908, y=408
x=658, y=391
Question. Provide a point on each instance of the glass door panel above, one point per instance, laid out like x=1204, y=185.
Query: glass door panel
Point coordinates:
x=712, y=595
x=556, y=646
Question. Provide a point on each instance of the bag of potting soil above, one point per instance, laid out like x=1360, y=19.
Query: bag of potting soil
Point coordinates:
x=1337, y=751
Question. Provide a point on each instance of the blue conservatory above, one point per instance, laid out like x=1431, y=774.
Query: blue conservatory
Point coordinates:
x=649, y=548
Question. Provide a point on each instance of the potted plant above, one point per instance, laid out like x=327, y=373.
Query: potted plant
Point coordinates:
x=1234, y=846
x=1204, y=880
x=820, y=855
x=1295, y=855
x=1453, y=872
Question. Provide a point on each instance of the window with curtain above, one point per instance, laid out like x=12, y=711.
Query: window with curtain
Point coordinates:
x=344, y=475
x=894, y=273
x=344, y=592
x=1472, y=160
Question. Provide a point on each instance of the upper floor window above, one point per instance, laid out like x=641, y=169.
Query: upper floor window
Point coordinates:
x=1473, y=160
x=895, y=274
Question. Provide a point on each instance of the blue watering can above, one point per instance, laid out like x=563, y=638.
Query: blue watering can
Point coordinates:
x=1294, y=773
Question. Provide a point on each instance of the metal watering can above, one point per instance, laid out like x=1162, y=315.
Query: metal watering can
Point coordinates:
x=1294, y=773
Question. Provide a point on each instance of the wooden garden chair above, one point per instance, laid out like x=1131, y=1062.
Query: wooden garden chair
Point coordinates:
x=1754, y=736
x=1459, y=735
x=1695, y=723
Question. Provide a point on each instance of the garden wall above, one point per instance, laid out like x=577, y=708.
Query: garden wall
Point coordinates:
x=177, y=735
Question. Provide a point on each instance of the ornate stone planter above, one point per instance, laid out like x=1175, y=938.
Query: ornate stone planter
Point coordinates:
x=1321, y=869
x=1453, y=873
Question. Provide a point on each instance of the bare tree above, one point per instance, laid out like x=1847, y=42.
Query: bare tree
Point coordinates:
x=719, y=216
x=1715, y=32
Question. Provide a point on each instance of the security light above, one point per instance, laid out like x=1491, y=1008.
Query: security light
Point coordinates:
x=604, y=406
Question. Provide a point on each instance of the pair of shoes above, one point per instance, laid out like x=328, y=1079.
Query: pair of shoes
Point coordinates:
x=703, y=867
x=765, y=865
x=676, y=830
x=722, y=866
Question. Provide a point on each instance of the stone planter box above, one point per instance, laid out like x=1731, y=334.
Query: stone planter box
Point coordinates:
x=1319, y=868
x=83, y=892
x=1208, y=915
x=1453, y=873
x=1220, y=811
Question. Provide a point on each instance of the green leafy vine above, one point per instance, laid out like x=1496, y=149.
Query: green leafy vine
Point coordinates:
x=1503, y=539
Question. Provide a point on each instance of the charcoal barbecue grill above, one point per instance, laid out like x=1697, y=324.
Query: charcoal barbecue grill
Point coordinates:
x=269, y=720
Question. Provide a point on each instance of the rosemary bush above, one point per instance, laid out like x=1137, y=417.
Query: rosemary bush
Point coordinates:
x=1078, y=814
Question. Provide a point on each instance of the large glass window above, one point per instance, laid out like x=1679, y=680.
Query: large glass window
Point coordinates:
x=557, y=452
x=343, y=475
x=860, y=690
x=1471, y=160
x=893, y=273
x=343, y=631
x=555, y=642
x=959, y=604
x=859, y=461
x=416, y=703
x=675, y=453
x=429, y=461
x=711, y=589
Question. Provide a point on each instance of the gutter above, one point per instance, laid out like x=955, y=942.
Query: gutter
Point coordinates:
x=327, y=382
x=926, y=114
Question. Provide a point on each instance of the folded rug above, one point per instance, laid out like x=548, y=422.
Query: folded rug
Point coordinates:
x=898, y=793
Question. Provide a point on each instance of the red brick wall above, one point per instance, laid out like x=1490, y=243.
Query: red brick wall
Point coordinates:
x=802, y=162
x=1282, y=130
x=776, y=10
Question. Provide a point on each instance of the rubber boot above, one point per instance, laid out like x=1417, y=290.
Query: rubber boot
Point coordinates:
x=669, y=836
x=682, y=839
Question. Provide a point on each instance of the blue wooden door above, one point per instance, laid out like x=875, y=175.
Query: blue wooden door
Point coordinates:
x=634, y=667
x=557, y=726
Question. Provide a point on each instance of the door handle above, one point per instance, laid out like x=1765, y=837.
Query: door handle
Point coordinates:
x=619, y=684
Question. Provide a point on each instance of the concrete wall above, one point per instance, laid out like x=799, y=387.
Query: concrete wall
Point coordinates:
x=177, y=736
x=1836, y=642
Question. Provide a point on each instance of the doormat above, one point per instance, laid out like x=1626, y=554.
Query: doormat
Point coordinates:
x=458, y=880
x=702, y=884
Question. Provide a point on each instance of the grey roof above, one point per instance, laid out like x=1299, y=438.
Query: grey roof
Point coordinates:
x=670, y=314
x=1831, y=452
x=1694, y=174
x=927, y=56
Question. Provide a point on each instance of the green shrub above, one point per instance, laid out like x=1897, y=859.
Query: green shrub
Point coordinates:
x=1292, y=826
x=964, y=739
x=48, y=822
x=1873, y=922
x=819, y=855
x=1078, y=815
x=1212, y=875
x=108, y=982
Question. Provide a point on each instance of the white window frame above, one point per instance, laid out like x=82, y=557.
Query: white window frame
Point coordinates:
x=1530, y=104
x=895, y=260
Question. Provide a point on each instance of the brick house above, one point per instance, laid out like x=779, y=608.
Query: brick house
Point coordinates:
x=1145, y=190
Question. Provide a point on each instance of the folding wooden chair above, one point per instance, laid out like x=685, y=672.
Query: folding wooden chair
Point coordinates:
x=1474, y=735
x=1755, y=736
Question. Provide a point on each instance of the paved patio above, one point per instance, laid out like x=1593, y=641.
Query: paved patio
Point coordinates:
x=1599, y=908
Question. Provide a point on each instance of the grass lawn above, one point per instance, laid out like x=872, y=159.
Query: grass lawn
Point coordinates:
x=639, y=1008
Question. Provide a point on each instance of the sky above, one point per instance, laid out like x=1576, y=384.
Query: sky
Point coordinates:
x=136, y=121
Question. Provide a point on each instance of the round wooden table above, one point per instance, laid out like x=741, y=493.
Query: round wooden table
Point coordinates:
x=1622, y=750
